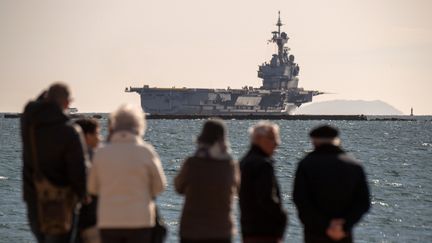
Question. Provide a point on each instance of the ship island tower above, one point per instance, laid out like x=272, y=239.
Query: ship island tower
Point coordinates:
x=281, y=73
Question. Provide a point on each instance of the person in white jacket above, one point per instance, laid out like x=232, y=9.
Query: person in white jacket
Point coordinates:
x=126, y=176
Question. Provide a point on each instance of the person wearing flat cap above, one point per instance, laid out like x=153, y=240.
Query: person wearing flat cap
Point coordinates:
x=330, y=189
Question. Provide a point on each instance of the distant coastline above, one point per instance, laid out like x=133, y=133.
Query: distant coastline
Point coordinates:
x=350, y=107
x=360, y=117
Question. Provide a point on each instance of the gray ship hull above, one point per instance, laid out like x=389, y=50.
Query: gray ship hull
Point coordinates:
x=221, y=102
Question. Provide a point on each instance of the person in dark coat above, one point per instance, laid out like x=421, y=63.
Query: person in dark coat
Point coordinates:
x=88, y=232
x=330, y=190
x=209, y=180
x=59, y=148
x=263, y=218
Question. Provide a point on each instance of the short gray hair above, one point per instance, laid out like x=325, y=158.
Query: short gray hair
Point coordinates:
x=263, y=128
x=128, y=118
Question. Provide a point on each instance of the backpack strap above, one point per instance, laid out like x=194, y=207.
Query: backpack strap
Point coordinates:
x=37, y=174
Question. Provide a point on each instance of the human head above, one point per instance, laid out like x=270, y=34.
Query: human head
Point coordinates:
x=324, y=134
x=266, y=136
x=59, y=93
x=128, y=118
x=91, y=130
x=214, y=130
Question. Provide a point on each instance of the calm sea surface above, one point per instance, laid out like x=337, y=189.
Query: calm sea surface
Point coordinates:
x=397, y=156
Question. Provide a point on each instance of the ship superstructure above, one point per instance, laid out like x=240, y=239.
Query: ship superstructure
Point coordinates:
x=279, y=93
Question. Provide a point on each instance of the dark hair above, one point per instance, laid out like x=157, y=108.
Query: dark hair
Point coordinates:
x=88, y=125
x=58, y=93
x=324, y=131
x=213, y=131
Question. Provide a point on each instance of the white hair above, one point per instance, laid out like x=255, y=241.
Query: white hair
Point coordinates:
x=263, y=128
x=128, y=118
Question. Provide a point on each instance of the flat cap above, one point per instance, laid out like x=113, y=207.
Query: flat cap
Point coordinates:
x=324, y=131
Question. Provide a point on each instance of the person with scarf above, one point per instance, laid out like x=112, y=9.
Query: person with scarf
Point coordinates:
x=208, y=179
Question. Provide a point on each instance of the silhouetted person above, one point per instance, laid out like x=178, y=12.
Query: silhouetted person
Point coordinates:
x=126, y=176
x=59, y=152
x=263, y=220
x=91, y=131
x=209, y=180
x=330, y=190
x=88, y=232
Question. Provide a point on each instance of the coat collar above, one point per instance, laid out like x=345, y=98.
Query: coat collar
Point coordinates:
x=255, y=149
x=216, y=151
x=42, y=112
x=126, y=137
x=329, y=148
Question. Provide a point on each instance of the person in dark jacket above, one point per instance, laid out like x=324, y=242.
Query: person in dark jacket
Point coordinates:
x=88, y=232
x=209, y=180
x=263, y=218
x=330, y=190
x=59, y=148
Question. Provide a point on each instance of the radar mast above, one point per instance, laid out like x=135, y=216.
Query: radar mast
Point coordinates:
x=279, y=23
x=281, y=73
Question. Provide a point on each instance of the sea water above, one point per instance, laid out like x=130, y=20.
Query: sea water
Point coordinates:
x=397, y=157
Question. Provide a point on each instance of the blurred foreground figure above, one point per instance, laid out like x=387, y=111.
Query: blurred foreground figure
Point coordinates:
x=126, y=176
x=263, y=219
x=209, y=180
x=54, y=176
x=330, y=190
x=88, y=232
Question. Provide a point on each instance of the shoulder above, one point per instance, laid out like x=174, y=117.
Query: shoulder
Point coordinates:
x=100, y=153
x=190, y=160
x=145, y=146
x=353, y=165
x=103, y=147
x=29, y=107
x=147, y=149
x=252, y=158
x=350, y=160
x=256, y=163
x=70, y=130
x=308, y=162
x=74, y=128
x=307, y=158
x=199, y=160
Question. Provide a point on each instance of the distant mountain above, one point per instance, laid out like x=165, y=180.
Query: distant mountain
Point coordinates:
x=349, y=107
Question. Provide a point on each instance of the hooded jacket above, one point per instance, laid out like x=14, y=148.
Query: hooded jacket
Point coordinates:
x=59, y=148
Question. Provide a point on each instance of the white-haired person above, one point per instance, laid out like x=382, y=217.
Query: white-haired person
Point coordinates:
x=208, y=179
x=263, y=219
x=126, y=176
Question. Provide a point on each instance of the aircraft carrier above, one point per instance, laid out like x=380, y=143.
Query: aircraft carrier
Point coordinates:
x=278, y=96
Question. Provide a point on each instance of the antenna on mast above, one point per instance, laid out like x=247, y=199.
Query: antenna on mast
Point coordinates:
x=279, y=23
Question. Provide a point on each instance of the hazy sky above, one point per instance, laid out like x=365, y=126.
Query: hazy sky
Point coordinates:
x=356, y=49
